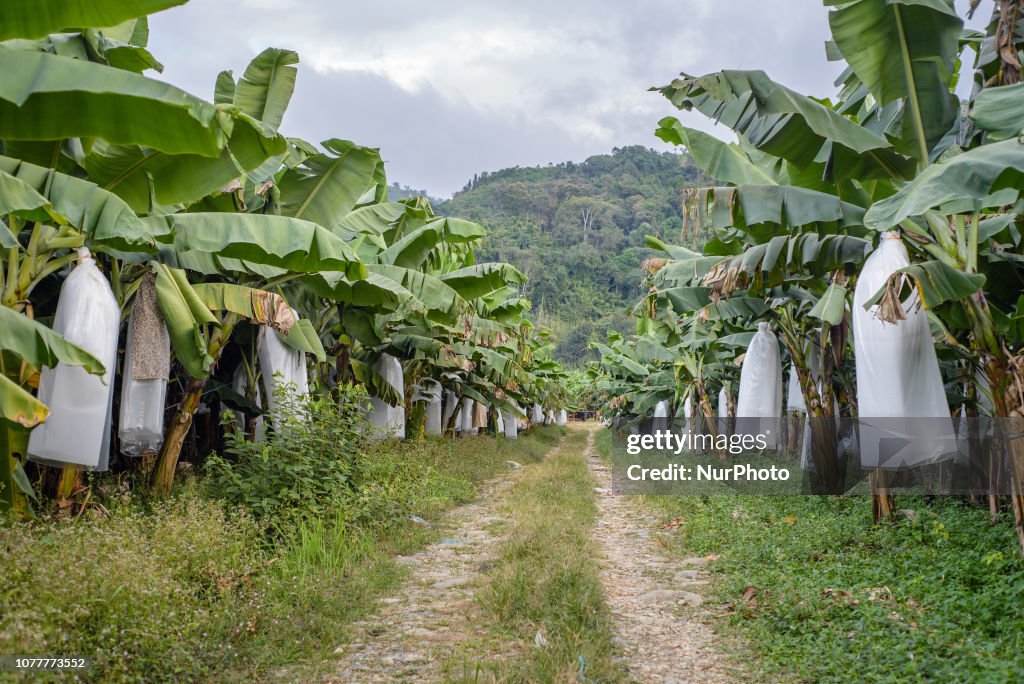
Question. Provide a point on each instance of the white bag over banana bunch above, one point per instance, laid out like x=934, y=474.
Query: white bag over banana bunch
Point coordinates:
x=430, y=391
x=511, y=425
x=723, y=411
x=759, y=404
x=898, y=378
x=77, y=431
x=147, y=366
x=390, y=419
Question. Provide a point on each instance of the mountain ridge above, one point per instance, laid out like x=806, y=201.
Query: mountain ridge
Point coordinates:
x=576, y=230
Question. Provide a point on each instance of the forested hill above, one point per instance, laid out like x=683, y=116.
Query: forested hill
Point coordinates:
x=577, y=231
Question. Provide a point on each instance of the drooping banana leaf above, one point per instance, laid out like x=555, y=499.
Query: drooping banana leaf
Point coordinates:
x=18, y=406
x=40, y=91
x=37, y=18
x=786, y=124
x=279, y=241
x=969, y=179
x=102, y=216
x=185, y=315
x=140, y=175
x=39, y=345
x=722, y=161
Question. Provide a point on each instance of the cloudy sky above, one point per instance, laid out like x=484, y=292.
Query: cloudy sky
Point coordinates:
x=450, y=88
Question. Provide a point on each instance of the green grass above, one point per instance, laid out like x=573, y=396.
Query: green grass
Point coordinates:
x=838, y=599
x=545, y=579
x=186, y=591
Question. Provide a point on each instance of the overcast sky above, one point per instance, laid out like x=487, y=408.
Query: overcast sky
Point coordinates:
x=450, y=88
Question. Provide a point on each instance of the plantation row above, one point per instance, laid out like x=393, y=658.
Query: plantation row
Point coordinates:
x=244, y=274
x=870, y=242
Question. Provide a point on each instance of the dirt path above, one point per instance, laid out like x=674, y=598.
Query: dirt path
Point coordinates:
x=660, y=635
x=659, y=630
x=433, y=613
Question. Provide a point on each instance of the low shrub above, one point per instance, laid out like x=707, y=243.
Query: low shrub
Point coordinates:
x=308, y=465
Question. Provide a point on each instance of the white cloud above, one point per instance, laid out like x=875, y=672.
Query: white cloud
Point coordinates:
x=454, y=87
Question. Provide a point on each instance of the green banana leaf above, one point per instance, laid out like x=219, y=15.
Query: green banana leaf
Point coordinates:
x=786, y=124
x=832, y=305
x=185, y=315
x=40, y=346
x=479, y=280
x=412, y=250
x=140, y=175
x=904, y=49
x=102, y=216
x=37, y=18
x=432, y=292
x=279, y=241
x=266, y=87
x=303, y=337
x=721, y=161
x=21, y=199
x=971, y=178
x=18, y=406
x=1000, y=111
x=40, y=90
x=326, y=187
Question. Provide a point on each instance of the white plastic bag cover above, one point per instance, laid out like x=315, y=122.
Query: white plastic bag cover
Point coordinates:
x=897, y=372
x=390, y=419
x=511, y=425
x=795, y=397
x=281, y=366
x=240, y=384
x=499, y=422
x=538, y=414
x=451, y=405
x=147, y=363
x=426, y=390
x=550, y=418
x=759, y=404
x=77, y=431
x=467, y=417
x=429, y=390
x=723, y=412
x=432, y=423
x=563, y=418
x=661, y=416
x=140, y=425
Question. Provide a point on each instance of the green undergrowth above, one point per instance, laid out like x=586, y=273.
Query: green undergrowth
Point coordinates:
x=193, y=589
x=822, y=595
x=545, y=594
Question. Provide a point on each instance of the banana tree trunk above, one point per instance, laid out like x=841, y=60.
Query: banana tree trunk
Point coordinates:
x=13, y=442
x=1003, y=372
x=344, y=349
x=883, y=503
x=704, y=403
x=167, y=462
x=822, y=423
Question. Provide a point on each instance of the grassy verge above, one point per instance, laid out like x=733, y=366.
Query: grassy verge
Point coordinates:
x=185, y=590
x=830, y=597
x=546, y=581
